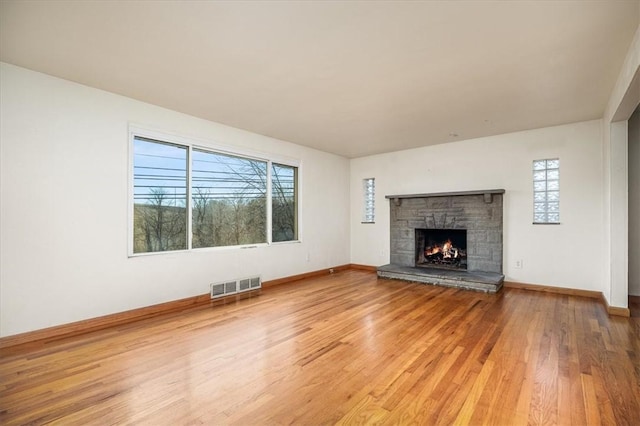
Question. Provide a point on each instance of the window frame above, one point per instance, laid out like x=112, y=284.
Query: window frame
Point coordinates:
x=365, y=199
x=296, y=197
x=192, y=143
x=546, y=191
x=132, y=193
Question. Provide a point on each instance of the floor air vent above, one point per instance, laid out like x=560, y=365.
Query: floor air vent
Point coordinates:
x=232, y=287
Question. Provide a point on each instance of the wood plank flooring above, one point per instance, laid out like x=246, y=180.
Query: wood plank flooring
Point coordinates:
x=340, y=349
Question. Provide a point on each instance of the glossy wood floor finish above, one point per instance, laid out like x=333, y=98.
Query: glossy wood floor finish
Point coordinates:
x=341, y=349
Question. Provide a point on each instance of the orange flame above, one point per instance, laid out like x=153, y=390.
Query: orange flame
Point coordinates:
x=447, y=250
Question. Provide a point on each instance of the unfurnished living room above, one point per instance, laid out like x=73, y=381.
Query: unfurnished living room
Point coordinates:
x=319, y=212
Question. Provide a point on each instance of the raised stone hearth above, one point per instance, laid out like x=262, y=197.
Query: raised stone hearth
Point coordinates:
x=489, y=282
x=478, y=213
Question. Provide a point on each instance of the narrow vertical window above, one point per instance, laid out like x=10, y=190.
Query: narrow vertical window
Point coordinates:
x=546, y=191
x=159, y=196
x=284, y=203
x=369, y=192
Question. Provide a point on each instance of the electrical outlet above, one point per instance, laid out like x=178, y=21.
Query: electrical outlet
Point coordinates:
x=518, y=264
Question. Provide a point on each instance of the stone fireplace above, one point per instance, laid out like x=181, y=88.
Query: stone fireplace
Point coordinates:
x=452, y=239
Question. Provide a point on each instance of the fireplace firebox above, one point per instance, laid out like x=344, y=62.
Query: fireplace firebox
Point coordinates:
x=441, y=248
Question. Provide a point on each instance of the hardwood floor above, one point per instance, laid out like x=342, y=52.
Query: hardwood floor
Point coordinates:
x=344, y=348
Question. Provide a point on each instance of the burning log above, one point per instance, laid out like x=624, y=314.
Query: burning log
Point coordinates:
x=444, y=254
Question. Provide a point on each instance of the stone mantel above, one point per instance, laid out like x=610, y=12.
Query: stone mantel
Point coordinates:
x=486, y=192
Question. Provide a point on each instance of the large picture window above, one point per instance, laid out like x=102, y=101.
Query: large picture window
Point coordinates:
x=227, y=196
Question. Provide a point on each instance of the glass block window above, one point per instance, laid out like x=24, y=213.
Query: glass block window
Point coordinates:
x=369, y=192
x=546, y=191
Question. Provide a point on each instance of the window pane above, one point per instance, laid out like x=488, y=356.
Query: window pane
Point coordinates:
x=539, y=165
x=553, y=185
x=284, y=201
x=553, y=195
x=553, y=164
x=539, y=175
x=229, y=199
x=553, y=174
x=160, y=196
x=540, y=186
x=539, y=196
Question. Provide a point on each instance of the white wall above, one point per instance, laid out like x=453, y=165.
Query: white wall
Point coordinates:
x=64, y=168
x=565, y=255
x=634, y=203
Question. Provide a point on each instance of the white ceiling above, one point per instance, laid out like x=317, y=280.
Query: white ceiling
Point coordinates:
x=351, y=78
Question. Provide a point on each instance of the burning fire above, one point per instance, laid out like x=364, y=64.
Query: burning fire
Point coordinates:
x=447, y=250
